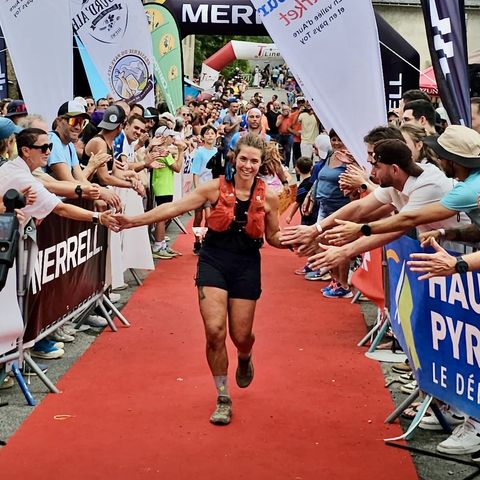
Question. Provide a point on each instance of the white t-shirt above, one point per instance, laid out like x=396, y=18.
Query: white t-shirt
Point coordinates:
x=16, y=174
x=420, y=191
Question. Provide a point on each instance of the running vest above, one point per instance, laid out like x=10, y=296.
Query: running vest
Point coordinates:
x=223, y=214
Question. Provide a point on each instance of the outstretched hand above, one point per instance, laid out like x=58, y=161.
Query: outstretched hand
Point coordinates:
x=108, y=220
x=298, y=235
x=123, y=221
x=328, y=258
x=344, y=232
x=438, y=264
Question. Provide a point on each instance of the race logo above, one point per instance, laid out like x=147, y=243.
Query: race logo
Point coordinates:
x=167, y=44
x=155, y=18
x=173, y=72
x=105, y=20
x=129, y=76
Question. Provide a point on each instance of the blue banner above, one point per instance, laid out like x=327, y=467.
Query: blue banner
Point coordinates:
x=3, y=68
x=437, y=323
x=446, y=35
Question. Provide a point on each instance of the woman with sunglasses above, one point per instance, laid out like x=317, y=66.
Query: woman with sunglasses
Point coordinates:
x=244, y=211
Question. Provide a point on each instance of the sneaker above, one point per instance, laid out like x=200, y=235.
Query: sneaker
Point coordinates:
x=431, y=422
x=318, y=275
x=174, y=252
x=409, y=388
x=46, y=349
x=303, y=271
x=331, y=286
x=124, y=286
x=196, y=248
x=403, y=367
x=60, y=335
x=114, y=297
x=464, y=439
x=8, y=382
x=162, y=254
x=96, y=321
x=338, y=292
x=244, y=373
x=223, y=412
x=406, y=378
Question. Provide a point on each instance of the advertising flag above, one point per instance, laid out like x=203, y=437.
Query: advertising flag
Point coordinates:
x=3, y=67
x=42, y=56
x=446, y=35
x=167, y=54
x=332, y=47
x=116, y=36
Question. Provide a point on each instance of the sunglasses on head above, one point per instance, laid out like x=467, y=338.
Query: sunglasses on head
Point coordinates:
x=44, y=148
x=76, y=121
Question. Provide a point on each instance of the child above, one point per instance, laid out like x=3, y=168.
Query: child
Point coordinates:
x=303, y=168
x=202, y=174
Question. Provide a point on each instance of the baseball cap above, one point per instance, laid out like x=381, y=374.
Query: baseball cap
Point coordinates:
x=81, y=100
x=150, y=112
x=112, y=117
x=168, y=116
x=16, y=108
x=7, y=128
x=457, y=144
x=165, y=132
x=300, y=99
x=232, y=100
x=72, y=108
x=395, y=152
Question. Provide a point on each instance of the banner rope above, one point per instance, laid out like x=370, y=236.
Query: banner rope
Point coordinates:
x=406, y=61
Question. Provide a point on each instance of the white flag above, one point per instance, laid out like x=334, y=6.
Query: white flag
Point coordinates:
x=332, y=46
x=117, y=38
x=39, y=40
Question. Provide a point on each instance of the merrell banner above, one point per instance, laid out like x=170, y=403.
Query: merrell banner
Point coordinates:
x=69, y=269
x=446, y=35
x=167, y=54
x=437, y=324
x=345, y=82
x=115, y=34
x=41, y=52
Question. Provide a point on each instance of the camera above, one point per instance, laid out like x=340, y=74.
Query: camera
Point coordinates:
x=9, y=233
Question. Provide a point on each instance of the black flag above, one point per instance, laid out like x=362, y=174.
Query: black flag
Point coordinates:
x=446, y=35
x=3, y=67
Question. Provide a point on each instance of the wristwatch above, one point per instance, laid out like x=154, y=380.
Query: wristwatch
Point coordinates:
x=95, y=218
x=366, y=230
x=79, y=191
x=461, y=266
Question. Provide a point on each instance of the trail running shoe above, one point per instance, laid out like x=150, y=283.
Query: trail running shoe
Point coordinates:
x=338, y=292
x=332, y=285
x=244, y=373
x=223, y=412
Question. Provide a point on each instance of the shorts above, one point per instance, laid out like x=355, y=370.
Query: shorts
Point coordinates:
x=161, y=199
x=238, y=274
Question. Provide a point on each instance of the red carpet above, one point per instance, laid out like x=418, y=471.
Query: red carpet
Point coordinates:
x=139, y=400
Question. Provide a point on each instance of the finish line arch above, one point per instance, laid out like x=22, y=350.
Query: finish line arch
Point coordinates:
x=239, y=17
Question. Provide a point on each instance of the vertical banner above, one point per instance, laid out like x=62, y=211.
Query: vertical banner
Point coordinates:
x=437, y=323
x=167, y=55
x=43, y=63
x=446, y=35
x=116, y=36
x=3, y=67
x=332, y=47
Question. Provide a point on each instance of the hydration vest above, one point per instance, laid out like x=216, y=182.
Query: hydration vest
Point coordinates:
x=223, y=214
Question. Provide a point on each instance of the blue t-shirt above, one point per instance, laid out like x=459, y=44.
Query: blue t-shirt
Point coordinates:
x=199, y=165
x=464, y=197
x=61, y=153
x=236, y=137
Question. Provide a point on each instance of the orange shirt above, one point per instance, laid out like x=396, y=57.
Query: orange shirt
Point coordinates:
x=285, y=125
x=295, y=126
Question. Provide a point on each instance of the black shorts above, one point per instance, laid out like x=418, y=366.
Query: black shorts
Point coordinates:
x=238, y=274
x=160, y=200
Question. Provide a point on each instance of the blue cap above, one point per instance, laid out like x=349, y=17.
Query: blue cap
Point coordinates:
x=7, y=128
x=232, y=100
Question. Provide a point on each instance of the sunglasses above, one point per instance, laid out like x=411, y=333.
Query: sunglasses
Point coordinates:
x=44, y=148
x=77, y=121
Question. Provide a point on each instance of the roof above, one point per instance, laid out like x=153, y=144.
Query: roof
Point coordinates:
x=468, y=3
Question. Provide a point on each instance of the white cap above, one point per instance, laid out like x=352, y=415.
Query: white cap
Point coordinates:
x=165, y=132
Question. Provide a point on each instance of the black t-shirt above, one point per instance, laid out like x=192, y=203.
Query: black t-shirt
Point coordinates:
x=272, y=122
x=303, y=189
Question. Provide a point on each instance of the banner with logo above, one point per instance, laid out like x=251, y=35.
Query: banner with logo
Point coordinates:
x=69, y=269
x=368, y=278
x=167, y=55
x=43, y=62
x=345, y=81
x=437, y=323
x=116, y=36
x=3, y=67
x=446, y=35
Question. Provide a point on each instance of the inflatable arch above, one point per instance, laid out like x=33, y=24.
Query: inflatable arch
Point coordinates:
x=239, y=17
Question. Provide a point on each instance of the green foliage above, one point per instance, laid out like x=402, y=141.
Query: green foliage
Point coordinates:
x=207, y=45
